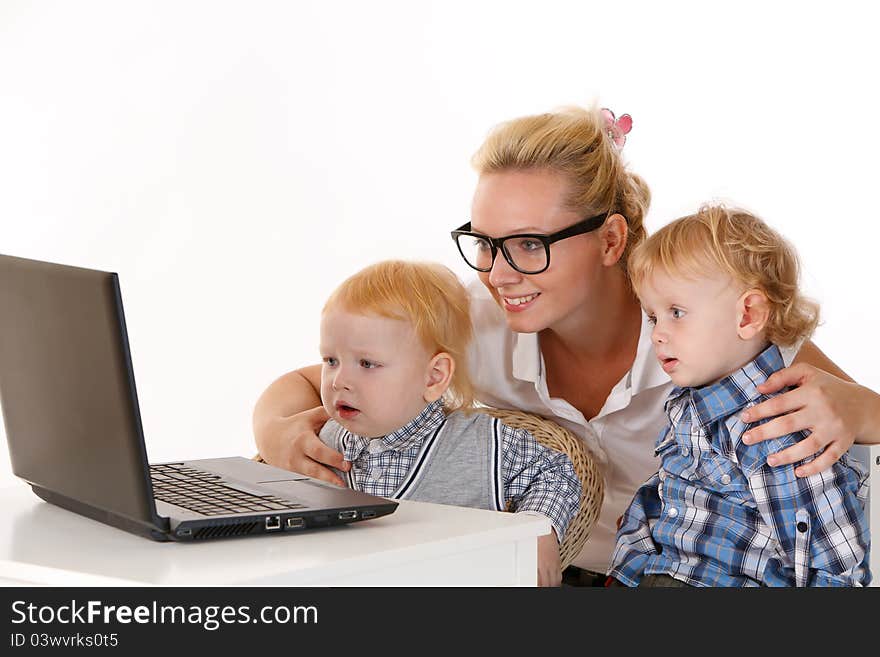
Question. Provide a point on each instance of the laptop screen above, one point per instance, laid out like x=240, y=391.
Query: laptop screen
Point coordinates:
x=67, y=387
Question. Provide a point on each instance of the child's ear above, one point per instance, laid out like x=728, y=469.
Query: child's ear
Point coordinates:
x=752, y=313
x=438, y=376
x=613, y=235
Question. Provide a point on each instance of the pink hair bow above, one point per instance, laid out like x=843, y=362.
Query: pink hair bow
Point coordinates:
x=617, y=128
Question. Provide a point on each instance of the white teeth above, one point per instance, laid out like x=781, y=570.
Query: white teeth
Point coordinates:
x=516, y=301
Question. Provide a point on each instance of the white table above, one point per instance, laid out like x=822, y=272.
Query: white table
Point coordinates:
x=418, y=545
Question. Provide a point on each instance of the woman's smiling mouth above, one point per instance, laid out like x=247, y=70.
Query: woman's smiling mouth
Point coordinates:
x=518, y=304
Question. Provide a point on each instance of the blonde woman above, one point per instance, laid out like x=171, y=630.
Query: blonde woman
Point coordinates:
x=559, y=332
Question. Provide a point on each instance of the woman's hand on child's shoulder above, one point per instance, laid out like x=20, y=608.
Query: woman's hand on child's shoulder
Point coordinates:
x=832, y=409
x=292, y=443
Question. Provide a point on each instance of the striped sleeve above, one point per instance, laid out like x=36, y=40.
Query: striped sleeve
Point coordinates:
x=538, y=479
x=635, y=544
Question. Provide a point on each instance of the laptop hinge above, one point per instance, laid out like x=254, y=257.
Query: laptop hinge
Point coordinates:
x=158, y=531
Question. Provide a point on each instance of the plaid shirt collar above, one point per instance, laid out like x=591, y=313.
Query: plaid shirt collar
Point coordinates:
x=408, y=436
x=727, y=396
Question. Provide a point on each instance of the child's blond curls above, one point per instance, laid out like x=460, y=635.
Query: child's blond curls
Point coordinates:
x=429, y=297
x=741, y=245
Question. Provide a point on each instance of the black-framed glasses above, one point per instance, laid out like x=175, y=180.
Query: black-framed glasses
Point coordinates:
x=528, y=253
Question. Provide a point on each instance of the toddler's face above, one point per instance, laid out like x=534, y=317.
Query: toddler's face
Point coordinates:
x=374, y=374
x=695, y=326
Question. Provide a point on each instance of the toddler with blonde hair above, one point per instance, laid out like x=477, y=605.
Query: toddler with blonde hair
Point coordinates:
x=721, y=290
x=394, y=382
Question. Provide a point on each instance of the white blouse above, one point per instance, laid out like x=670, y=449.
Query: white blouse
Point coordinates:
x=508, y=371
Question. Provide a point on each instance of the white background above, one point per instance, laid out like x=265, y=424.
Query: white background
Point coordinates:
x=234, y=161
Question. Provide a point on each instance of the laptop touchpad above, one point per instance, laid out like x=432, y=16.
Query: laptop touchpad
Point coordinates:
x=302, y=491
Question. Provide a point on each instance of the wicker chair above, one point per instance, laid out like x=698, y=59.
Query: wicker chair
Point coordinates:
x=551, y=435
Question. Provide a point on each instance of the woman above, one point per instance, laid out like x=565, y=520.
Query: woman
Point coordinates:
x=559, y=332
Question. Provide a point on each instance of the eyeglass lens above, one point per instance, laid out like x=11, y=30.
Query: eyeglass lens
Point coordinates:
x=526, y=253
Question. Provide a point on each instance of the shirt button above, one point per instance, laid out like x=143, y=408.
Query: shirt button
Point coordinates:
x=685, y=452
x=802, y=527
x=725, y=479
x=673, y=512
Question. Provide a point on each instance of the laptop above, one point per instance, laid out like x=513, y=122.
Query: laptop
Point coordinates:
x=74, y=430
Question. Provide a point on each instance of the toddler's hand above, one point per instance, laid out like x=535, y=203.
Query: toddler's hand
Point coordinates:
x=549, y=566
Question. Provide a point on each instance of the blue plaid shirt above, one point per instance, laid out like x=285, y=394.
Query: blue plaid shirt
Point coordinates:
x=536, y=479
x=717, y=515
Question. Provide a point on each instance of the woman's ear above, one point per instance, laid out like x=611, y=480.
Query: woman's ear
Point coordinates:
x=613, y=235
x=752, y=313
x=438, y=376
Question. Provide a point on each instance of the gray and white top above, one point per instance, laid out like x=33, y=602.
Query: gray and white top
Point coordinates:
x=463, y=459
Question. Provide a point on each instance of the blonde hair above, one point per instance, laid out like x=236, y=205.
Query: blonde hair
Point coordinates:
x=739, y=244
x=428, y=296
x=573, y=142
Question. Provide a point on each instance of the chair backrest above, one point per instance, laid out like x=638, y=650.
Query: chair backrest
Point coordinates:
x=558, y=438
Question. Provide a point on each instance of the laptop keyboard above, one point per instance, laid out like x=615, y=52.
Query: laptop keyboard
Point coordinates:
x=205, y=492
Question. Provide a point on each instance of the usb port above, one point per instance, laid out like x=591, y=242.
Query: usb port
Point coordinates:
x=348, y=515
x=294, y=523
x=273, y=522
x=366, y=515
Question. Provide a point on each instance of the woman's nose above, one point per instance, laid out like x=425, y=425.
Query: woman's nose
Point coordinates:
x=502, y=273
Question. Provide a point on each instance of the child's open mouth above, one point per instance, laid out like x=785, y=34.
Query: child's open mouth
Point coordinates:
x=345, y=411
x=668, y=364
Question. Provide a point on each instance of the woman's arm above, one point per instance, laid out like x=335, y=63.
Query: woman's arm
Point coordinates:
x=286, y=419
x=834, y=408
